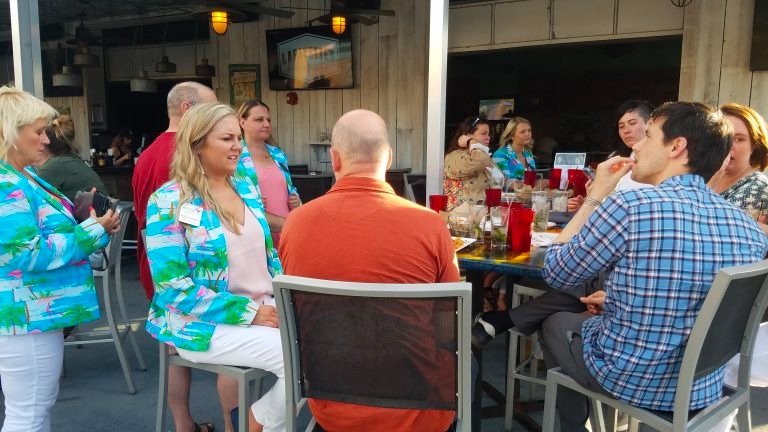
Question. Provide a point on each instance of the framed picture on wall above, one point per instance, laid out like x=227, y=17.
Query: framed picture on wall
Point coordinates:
x=244, y=83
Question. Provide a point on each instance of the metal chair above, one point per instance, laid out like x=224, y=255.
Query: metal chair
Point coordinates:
x=517, y=362
x=114, y=333
x=354, y=315
x=709, y=347
x=246, y=379
x=415, y=188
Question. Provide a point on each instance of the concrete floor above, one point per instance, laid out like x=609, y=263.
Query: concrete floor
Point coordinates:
x=94, y=397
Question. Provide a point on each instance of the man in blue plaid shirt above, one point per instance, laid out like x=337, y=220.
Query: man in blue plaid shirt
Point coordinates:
x=661, y=248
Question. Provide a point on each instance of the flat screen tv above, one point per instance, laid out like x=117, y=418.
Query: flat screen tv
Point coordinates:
x=308, y=58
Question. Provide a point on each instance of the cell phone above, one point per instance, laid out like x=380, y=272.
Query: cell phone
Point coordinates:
x=102, y=202
x=589, y=172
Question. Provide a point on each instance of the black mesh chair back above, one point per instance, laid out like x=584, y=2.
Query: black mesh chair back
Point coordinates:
x=380, y=345
x=384, y=352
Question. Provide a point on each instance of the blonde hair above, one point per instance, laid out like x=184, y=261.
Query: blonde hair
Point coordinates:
x=509, y=131
x=61, y=134
x=186, y=168
x=18, y=109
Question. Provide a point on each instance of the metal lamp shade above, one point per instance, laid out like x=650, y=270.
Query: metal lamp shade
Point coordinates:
x=204, y=69
x=165, y=66
x=85, y=58
x=67, y=78
x=143, y=84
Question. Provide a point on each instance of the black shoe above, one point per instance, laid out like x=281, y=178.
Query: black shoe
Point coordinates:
x=482, y=332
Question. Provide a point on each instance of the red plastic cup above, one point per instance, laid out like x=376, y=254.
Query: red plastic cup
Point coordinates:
x=493, y=197
x=512, y=205
x=578, y=181
x=519, y=230
x=438, y=202
x=529, y=178
x=554, y=178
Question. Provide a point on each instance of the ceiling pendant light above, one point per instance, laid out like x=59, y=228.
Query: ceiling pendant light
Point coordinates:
x=68, y=77
x=219, y=21
x=338, y=24
x=165, y=66
x=84, y=57
x=141, y=83
x=204, y=69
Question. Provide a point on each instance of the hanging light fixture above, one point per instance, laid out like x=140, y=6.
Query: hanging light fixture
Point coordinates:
x=203, y=69
x=164, y=65
x=68, y=77
x=338, y=24
x=84, y=57
x=219, y=21
x=681, y=3
x=141, y=83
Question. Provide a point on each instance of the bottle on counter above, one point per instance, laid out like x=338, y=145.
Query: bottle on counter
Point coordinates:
x=101, y=159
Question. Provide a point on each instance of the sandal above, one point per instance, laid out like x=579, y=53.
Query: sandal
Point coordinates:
x=489, y=299
x=208, y=425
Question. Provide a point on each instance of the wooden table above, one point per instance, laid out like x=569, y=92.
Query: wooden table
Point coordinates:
x=477, y=259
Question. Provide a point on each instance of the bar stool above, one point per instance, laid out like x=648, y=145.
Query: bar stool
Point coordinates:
x=246, y=377
x=113, y=333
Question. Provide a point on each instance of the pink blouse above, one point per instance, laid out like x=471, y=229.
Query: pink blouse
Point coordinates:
x=273, y=187
x=247, y=256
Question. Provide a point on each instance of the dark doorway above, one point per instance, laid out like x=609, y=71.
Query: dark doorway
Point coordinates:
x=142, y=113
x=568, y=92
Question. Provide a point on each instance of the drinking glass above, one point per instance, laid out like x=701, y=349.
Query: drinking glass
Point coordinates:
x=438, y=202
x=499, y=225
x=540, y=204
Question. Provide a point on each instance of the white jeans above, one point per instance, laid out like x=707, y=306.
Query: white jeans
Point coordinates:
x=256, y=347
x=30, y=367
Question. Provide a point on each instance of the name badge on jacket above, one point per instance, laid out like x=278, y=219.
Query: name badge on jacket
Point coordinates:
x=190, y=214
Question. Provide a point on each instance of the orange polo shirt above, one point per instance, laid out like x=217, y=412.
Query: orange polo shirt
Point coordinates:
x=360, y=231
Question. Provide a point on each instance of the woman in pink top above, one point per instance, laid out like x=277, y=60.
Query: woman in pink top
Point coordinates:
x=266, y=165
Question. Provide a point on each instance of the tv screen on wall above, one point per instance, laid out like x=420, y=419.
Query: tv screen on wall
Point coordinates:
x=308, y=58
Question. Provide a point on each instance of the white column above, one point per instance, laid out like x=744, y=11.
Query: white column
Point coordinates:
x=25, y=31
x=436, y=82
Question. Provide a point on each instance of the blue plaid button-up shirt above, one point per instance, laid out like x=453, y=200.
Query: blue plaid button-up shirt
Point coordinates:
x=662, y=247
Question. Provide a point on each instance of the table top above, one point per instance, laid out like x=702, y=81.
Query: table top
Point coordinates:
x=480, y=257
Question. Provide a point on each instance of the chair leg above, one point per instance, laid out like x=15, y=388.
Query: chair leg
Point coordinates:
x=634, y=425
x=550, y=398
x=744, y=418
x=596, y=417
x=124, y=314
x=162, y=391
x=243, y=402
x=509, y=408
x=116, y=334
x=533, y=365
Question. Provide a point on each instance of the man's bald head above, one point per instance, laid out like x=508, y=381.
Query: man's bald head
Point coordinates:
x=185, y=94
x=361, y=141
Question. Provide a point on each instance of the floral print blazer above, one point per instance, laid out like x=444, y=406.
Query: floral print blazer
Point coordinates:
x=246, y=169
x=189, y=269
x=506, y=159
x=466, y=176
x=46, y=282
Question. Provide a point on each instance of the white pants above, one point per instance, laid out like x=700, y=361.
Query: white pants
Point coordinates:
x=256, y=347
x=30, y=367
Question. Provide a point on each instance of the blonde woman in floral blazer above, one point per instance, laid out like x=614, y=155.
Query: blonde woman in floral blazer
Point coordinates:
x=212, y=258
x=46, y=282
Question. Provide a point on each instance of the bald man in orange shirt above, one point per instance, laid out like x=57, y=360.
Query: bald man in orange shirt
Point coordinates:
x=360, y=231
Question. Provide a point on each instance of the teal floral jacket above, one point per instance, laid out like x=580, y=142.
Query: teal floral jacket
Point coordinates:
x=506, y=160
x=189, y=269
x=46, y=282
x=245, y=168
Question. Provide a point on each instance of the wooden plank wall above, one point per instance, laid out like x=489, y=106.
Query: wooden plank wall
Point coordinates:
x=389, y=68
x=715, y=60
x=78, y=110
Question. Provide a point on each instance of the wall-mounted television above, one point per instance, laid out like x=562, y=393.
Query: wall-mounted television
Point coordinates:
x=308, y=58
